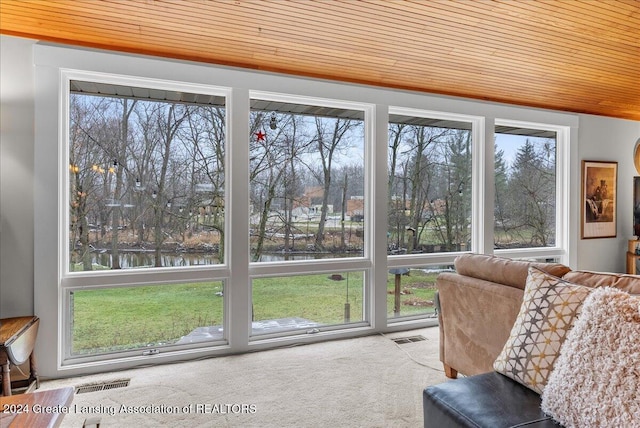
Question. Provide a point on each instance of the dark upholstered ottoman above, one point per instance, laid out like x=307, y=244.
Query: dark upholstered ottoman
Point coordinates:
x=488, y=400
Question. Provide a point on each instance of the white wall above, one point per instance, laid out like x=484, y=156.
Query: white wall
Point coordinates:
x=611, y=140
x=16, y=177
x=598, y=138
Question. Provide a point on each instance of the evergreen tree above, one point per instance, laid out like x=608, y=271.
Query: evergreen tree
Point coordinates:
x=532, y=185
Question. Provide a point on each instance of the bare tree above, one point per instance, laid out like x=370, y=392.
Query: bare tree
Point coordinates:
x=291, y=182
x=142, y=153
x=454, y=178
x=268, y=154
x=92, y=132
x=421, y=177
x=501, y=206
x=169, y=121
x=119, y=152
x=206, y=136
x=78, y=161
x=329, y=139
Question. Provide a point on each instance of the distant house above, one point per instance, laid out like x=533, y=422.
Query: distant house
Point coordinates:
x=429, y=209
x=311, y=200
x=355, y=208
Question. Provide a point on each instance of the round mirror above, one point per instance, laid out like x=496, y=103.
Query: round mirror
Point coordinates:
x=636, y=156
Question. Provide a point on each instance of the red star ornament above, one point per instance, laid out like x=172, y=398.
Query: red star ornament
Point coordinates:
x=260, y=135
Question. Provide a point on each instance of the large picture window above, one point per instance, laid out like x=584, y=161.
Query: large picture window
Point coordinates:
x=525, y=187
x=429, y=196
x=147, y=177
x=430, y=182
x=307, y=181
x=146, y=194
x=345, y=208
x=308, y=214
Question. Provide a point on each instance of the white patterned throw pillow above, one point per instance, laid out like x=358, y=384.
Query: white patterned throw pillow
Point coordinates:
x=549, y=308
x=596, y=380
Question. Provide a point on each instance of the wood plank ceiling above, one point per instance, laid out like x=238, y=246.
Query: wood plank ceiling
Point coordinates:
x=571, y=55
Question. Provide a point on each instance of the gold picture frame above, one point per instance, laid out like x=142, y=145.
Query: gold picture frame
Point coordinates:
x=599, y=199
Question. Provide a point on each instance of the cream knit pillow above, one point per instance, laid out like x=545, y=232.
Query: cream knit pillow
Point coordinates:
x=549, y=308
x=596, y=380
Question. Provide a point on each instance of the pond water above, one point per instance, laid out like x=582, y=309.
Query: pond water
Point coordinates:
x=141, y=259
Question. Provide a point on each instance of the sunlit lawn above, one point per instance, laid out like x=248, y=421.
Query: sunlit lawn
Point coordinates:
x=134, y=317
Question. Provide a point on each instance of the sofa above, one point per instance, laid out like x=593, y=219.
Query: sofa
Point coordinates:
x=478, y=305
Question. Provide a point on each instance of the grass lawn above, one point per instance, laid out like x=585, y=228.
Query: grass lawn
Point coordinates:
x=417, y=293
x=136, y=317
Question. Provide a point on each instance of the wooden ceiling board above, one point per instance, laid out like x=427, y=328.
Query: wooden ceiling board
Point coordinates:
x=571, y=55
x=196, y=34
x=518, y=37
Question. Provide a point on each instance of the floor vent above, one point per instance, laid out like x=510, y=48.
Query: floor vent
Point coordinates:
x=410, y=339
x=102, y=386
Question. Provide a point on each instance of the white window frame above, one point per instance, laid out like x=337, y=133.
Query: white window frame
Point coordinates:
x=92, y=280
x=477, y=185
x=50, y=163
x=478, y=153
x=309, y=267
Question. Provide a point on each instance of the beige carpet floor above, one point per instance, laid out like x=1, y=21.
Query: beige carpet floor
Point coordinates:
x=365, y=382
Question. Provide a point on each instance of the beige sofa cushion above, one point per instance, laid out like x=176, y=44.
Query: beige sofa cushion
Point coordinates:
x=502, y=270
x=628, y=283
x=475, y=319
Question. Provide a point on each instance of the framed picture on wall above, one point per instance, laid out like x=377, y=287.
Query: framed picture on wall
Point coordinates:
x=599, y=199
